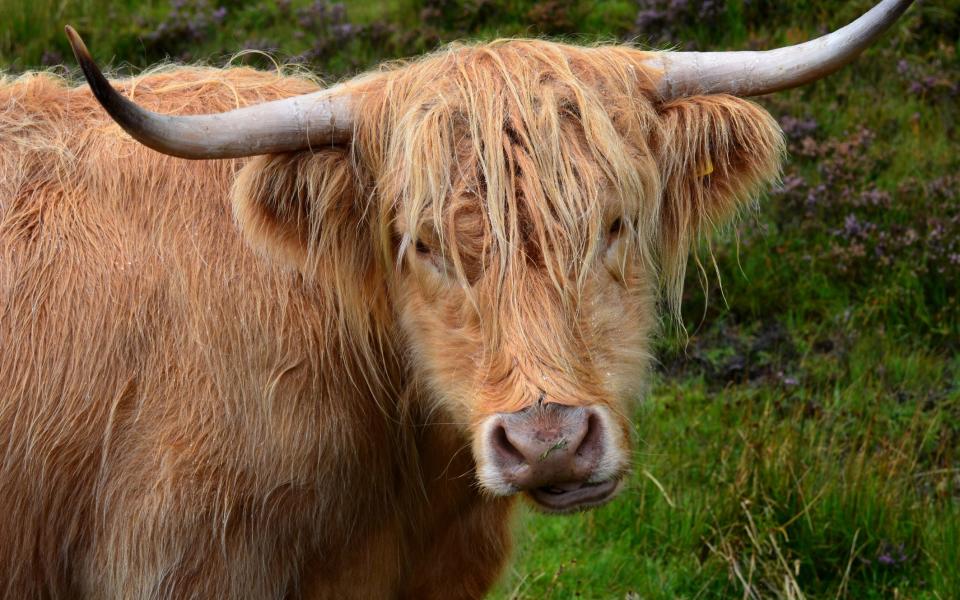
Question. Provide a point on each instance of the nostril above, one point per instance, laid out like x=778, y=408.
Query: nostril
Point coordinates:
x=591, y=446
x=503, y=448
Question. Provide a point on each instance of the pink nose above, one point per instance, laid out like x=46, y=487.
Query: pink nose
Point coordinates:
x=551, y=450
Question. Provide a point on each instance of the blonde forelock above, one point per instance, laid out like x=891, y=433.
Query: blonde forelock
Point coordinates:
x=546, y=139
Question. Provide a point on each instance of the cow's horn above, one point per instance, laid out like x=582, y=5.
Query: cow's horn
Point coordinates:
x=756, y=73
x=311, y=120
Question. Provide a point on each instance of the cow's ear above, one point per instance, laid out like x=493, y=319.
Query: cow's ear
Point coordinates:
x=717, y=154
x=287, y=204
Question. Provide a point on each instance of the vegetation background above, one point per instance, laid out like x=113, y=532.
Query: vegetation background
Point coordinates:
x=802, y=439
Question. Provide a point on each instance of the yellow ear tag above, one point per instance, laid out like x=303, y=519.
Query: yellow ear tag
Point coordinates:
x=706, y=169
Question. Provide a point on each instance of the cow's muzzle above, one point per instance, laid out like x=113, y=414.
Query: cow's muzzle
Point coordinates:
x=559, y=455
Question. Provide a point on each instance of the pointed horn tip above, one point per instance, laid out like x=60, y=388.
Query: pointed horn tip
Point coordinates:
x=89, y=67
x=102, y=89
x=76, y=44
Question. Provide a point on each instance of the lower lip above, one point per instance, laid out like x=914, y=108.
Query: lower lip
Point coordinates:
x=587, y=495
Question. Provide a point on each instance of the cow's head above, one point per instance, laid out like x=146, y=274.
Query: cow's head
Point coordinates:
x=525, y=203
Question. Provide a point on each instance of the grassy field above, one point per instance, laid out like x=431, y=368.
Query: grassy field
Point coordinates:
x=803, y=438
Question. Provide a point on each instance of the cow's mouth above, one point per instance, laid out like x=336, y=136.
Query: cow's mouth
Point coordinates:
x=568, y=497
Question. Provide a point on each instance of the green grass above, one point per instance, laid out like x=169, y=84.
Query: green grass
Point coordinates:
x=812, y=487
x=803, y=439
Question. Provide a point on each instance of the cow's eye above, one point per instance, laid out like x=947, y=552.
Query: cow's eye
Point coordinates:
x=614, y=231
x=615, y=257
x=431, y=259
x=615, y=228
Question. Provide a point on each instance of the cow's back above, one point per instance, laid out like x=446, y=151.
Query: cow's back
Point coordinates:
x=156, y=376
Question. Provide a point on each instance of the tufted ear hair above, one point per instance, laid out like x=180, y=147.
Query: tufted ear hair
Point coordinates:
x=299, y=207
x=717, y=154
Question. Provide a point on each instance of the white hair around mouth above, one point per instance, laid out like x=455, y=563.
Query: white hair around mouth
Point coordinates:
x=613, y=460
x=491, y=479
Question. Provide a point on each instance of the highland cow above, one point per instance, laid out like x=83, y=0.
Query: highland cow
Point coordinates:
x=439, y=296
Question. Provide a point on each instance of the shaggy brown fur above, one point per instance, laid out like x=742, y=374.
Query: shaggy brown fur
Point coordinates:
x=181, y=417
